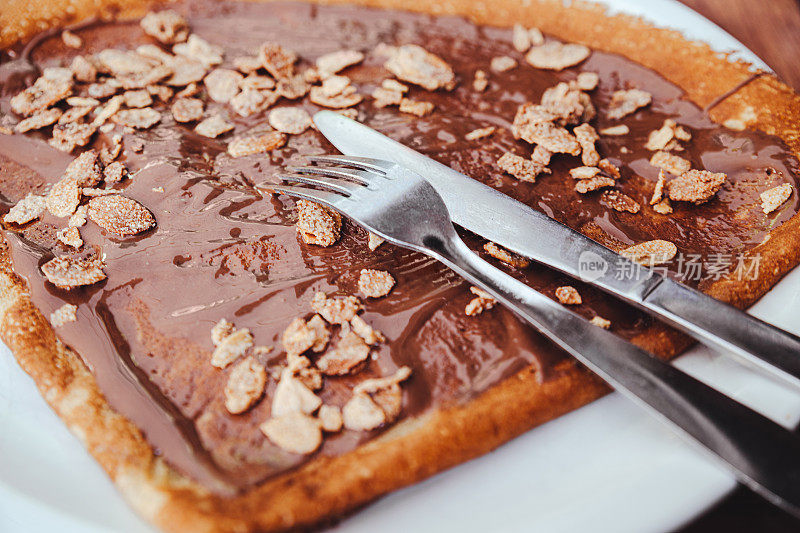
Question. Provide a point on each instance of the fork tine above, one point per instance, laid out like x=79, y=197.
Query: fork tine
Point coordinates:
x=330, y=199
x=363, y=163
x=364, y=177
x=346, y=188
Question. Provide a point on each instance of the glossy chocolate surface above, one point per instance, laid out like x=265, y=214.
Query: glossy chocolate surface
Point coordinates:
x=221, y=249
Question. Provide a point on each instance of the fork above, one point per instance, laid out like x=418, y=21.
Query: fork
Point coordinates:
x=400, y=206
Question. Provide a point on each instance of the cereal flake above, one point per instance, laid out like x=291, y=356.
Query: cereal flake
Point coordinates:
x=294, y=432
x=651, y=253
x=773, y=198
x=68, y=273
x=556, y=55
x=292, y=120
x=29, y=208
x=501, y=254
x=568, y=295
x=245, y=385
x=696, y=186
x=64, y=315
x=317, y=224
x=375, y=283
x=414, y=64
x=256, y=144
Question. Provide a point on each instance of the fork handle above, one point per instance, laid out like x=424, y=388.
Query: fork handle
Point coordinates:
x=762, y=454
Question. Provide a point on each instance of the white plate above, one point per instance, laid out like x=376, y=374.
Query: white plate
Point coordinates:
x=606, y=467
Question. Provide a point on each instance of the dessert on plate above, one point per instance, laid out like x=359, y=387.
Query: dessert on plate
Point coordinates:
x=236, y=360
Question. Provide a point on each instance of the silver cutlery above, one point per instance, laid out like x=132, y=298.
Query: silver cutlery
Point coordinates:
x=403, y=208
x=513, y=225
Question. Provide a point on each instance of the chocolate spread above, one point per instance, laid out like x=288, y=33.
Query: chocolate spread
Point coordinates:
x=223, y=250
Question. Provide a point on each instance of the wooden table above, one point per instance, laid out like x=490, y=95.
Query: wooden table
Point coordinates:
x=771, y=29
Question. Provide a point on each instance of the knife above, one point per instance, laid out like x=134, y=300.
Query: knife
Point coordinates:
x=530, y=233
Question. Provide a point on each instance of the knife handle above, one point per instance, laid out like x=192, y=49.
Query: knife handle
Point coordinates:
x=762, y=454
x=717, y=324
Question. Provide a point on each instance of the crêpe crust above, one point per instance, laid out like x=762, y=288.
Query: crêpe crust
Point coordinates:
x=326, y=488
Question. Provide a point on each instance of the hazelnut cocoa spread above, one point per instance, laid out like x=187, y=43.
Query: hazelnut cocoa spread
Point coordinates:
x=244, y=332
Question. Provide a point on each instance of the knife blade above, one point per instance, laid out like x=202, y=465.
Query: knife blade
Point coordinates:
x=528, y=232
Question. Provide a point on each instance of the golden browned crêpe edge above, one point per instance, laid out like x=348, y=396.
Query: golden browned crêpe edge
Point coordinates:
x=414, y=449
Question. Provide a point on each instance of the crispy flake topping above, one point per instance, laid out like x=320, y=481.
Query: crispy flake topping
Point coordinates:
x=68, y=273
x=292, y=396
x=251, y=101
x=416, y=107
x=256, y=144
x=167, y=26
x=584, y=173
x=480, y=133
x=480, y=82
x=293, y=87
x=600, y=322
x=416, y=65
x=773, y=198
x=295, y=433
x=221, y=329
x=523, y=38
x=231, y=346
x=71, y=40
x=278, y=61
x=568, y=295
x=330, y=418
x=671, y=163
x=334, y=94
x=556, y=56
x=137, y=118
x=501, y=254
x=349, y=353
x=199, y=50
x=41, y=95
x=587, y=136
x=120, y=215
x=375, y=402
x=300, y=336
x=74, y=114
x=63, y=315
x=336, y=310
x=370, y=335
x=333, y=62
x=534, y=124
x=483, y=301
x=696, y=186
x=375, y=283
x=625, y=102
x=245, y=385
x=587, y=81
x=39, y=120
x=595, y=183
x=651, y=253
x=213, y=127
x=293, y=120
x=373, y=241
x=70, y=236
x=621, y=129
x=83, y=70
x=521, y=168
x=84, y=171
x=502, y=63
x=619, y=201
x=115, y=172
x=222, y=84
x=29, y=208
x=317, y=224
x=138, y=98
